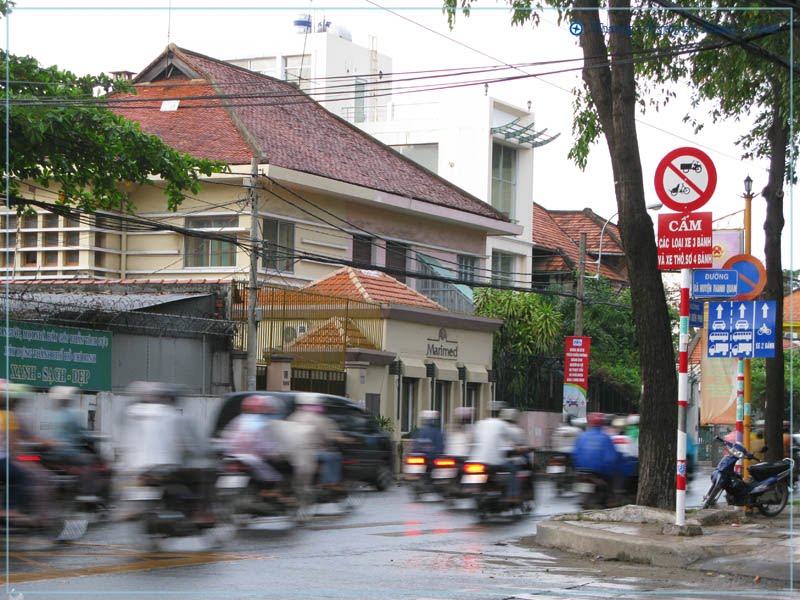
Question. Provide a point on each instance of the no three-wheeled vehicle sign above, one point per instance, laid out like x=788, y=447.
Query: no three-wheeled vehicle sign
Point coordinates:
x=685, y=179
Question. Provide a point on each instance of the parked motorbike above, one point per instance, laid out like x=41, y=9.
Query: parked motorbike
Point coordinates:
x=599, y=491
x=768, y=489
x=487, y=484
x=561, y=471
x=175, y=502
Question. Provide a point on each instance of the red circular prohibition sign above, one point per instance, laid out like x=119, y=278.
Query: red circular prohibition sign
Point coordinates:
x=694, y=176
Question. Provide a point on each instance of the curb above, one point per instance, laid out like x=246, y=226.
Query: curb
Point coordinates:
x=600, y=542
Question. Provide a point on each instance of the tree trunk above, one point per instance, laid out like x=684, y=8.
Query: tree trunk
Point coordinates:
x=609, y=76
x=774, y=404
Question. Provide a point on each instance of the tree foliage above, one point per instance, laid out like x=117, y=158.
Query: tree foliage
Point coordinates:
x=62, y=134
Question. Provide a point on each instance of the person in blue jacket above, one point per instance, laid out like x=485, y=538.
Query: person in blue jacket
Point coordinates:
x=428, y=439
x=595, y=451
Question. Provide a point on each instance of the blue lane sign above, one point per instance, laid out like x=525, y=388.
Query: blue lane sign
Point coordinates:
x=695, y=313
x=744, y=329
x=715, y=283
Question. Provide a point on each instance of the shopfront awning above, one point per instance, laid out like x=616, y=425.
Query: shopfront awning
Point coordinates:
x=446, y=371
x=476, y=373
x=414, y=367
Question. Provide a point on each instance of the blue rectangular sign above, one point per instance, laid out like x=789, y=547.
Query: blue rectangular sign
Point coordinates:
x=744, y=329
x=715, y=283
x=695, y=313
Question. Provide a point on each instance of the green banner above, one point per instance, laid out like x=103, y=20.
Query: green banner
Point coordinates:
x=46, y=355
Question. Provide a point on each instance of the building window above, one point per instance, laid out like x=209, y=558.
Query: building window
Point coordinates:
x=10, y=224
x=72, y=238
x=408, y=401
x=264, y=65
x=440, y=397
x=202, y=252
x=504, y=178
x=396, y=255
x=30, y=240
x=467, y=268
x=372, y=402
x=279, y=245
x=30, y=222
x=29, y=259
x=51, y=259
x=297, y=70
x=49, y=221
x=100, y=239
x=7, y=259
x=360, y=113
x=502, y=268
x=71, y=258
x=425, y=155
x=51, y=238
x=472, y=396
x=362, y=251
x=99, y=259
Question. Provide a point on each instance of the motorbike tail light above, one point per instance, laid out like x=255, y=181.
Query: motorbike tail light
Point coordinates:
x=235, y=467
x=474, y=468
x=444, y=462
x=415, y=460
x=29, y=458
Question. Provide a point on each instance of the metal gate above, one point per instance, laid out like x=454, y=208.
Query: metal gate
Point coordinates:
x=321, y=382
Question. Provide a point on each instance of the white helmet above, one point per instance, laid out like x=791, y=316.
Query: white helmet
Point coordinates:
x=64, y=393
x=509, y=414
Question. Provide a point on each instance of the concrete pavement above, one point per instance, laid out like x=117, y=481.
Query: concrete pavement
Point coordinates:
x=722, y=540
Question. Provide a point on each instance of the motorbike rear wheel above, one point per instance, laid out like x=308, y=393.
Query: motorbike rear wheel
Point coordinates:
x=773, y=509
x=710, y=499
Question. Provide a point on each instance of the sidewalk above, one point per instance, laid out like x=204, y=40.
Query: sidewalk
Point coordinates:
x=722, y=540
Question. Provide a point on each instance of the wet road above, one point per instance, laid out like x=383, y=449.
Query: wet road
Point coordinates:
x=388, y=547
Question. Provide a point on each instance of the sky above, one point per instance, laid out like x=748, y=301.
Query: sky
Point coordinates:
x=93, y=36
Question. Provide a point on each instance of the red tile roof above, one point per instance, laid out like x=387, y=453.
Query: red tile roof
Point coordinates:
x=335, y=333
x=560, y=231
x=372, y=286
x=291, y=129
x=791, y=309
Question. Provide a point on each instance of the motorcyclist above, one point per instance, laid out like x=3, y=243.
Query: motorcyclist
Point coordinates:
x=251, y=437
x=320, y=441
x=18, y=483
x=564, y=435
x=458, y=437
x=520, y=454
x=595, y=451
x=493, y=440
x=157, y=434
x=428, y=438
x=69, y=437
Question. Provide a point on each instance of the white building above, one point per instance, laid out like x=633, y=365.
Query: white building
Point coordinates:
x=480, y=143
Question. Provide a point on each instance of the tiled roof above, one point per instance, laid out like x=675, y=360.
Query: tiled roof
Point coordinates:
x=575, y=222
x=791, y=309
x=551, y=230
x=372, y=286
x=335, y=333
x=291, y=129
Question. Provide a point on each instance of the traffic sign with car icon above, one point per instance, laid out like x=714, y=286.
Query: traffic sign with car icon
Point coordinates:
x=742, y=329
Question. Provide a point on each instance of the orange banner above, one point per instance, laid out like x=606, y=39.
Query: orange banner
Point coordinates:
x=718, y=387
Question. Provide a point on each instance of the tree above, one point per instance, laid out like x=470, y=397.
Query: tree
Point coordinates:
x=62, y=134
x=607, y=104
x=748, y=76
x=531, y=328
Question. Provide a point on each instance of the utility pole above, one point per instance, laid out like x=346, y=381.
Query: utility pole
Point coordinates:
x=579, y=287
x=252, y=289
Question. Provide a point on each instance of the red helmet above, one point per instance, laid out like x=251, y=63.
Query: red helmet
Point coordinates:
x=596, y=419
x=256, y=404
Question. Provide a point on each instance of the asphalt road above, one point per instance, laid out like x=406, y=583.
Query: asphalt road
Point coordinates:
x=387, y=547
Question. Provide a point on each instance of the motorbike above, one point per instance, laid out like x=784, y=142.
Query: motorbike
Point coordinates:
x=487, y=484
x=599, y=491
x=65, y=522
x=439, y=476
x=767, y=491
x=250, y=496
x=167, y=500
x=560, y=469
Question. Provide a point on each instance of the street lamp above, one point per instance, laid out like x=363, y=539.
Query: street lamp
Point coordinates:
x=654, y=206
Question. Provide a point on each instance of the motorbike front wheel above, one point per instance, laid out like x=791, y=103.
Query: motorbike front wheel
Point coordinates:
x=710, y=499
x=773, y=509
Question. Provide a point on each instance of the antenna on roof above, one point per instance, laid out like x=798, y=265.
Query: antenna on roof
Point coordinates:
x=169, y=21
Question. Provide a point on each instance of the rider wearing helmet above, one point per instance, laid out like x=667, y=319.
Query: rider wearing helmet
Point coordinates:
x=459, y=433
x=494, y=438
x=428, y=439
x=595, y=450
x=251, y=437
x=70, y=438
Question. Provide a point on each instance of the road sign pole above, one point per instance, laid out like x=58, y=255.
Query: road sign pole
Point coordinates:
x=739, y=408
x=683, y=398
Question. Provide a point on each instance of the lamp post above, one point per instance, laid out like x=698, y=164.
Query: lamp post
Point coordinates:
x=748, y=199
x=654, y=206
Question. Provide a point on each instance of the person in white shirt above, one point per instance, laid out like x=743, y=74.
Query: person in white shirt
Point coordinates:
x=493, y=440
